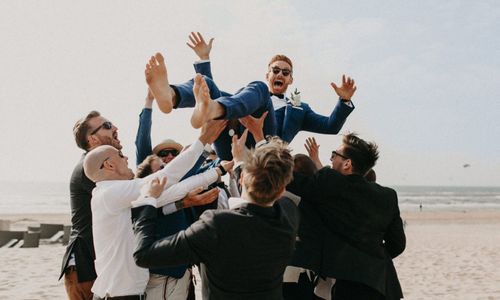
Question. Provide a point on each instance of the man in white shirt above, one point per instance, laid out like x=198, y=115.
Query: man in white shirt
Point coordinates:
x=117, y=274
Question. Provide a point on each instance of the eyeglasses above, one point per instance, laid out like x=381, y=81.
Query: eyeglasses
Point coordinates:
x=277, y=70
x=334, y=153
x=166, y=152
x=106, y=125
x=120, y=154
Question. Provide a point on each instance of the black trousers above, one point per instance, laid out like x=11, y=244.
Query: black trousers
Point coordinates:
x=302, y=290
x=351, y=290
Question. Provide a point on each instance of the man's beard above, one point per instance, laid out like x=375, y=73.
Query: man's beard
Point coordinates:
x=111, y=142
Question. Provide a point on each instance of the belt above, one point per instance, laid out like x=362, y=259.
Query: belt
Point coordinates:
x=128, y=297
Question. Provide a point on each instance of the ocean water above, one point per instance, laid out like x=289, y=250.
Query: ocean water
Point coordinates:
x=50, y=197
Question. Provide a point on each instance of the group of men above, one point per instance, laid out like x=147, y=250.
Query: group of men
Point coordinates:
x=288, y=234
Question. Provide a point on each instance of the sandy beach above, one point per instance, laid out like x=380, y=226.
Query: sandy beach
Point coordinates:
x=450, y=254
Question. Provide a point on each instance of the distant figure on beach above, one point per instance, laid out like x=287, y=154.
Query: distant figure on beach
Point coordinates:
x=364, y=227
x=420, y=206
x=291, y=115
x=112, y=199
x=78, y=262
x=243, y=251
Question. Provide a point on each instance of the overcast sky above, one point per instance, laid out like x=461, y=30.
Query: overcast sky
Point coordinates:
x=428, y=76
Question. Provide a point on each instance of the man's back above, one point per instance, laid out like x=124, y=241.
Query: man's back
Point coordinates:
x=363, y=226
x=244, y=250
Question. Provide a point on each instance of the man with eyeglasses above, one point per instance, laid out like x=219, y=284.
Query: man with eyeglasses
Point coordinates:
x=116, y=188
x=78, y=262
x=291, y=115
x=364, y=230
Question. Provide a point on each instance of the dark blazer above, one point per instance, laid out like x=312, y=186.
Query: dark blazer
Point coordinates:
x=81, y=242
x=299, y=118
x=364, y=230
x=244, y=250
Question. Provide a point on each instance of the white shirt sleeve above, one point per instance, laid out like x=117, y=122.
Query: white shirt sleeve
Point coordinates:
x=222, y=201
x=179, y=190
x=179, y=166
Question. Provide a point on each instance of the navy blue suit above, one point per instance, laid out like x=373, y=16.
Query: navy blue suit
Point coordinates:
x=292, y=119
x=251, y=100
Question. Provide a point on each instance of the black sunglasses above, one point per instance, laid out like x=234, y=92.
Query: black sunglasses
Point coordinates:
x=277, y=70
x=339, y=154
x=166, y=152
x=106, y=125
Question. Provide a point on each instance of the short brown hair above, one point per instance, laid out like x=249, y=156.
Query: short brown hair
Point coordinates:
x=363, y=155
x=304, y=165
x=268, y=170
x=144, y=169
x=281, y=57
x=81, y=129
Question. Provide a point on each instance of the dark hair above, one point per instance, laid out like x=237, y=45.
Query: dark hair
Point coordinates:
x=371, y=176
x=281, y=57
x=144, y=168
x=81, y=129
x=304, y=165
x=363, y=155
x=268, y=169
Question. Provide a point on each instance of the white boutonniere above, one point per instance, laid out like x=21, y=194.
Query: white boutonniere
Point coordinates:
x=295, y=98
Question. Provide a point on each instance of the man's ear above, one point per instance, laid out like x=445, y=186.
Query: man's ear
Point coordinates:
x=267, y=76
x=108, y=165
x=93, y=141
x=347, y=165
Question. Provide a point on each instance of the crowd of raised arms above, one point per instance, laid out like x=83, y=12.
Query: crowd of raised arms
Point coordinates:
x=256, y=221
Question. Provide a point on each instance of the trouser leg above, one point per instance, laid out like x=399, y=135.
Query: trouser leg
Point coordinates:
x=77, y=290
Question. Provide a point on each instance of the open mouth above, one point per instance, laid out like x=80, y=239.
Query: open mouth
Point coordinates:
x=278, y=83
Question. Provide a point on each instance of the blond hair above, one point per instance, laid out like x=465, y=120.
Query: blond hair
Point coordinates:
x=268, y=170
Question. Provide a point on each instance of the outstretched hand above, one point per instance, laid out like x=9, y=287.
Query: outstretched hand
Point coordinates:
x=199, y=46
x=346, y=90
x=194, y=198
x=238, y=146
x=313, y=150
x=255, y=125
x=156, y=187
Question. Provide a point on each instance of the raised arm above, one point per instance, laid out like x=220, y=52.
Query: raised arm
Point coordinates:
x=313, y=150
x=314, y=122
x=143, y=138
x=178, y=167
x=199, y=46
x=202, y=50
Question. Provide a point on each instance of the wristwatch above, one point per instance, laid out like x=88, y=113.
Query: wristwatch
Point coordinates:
x=179, y=204
x=223, y=171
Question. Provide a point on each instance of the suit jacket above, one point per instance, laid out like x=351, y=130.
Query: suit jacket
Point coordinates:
x=298, y=118
x=364, y=228
x=81, y=242
x=244, y=250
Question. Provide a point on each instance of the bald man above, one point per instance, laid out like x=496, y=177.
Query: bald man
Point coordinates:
x=114, y=195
